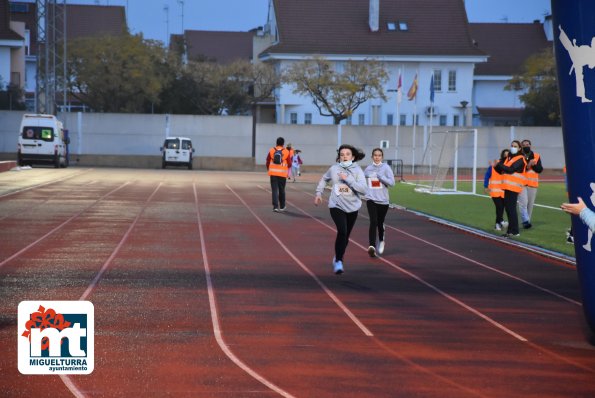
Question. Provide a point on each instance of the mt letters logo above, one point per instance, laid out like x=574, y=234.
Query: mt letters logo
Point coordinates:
x=56, y=337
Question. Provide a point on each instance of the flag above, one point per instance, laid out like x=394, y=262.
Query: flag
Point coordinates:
x=432, y=89
x=399, y=90
x=413, y=89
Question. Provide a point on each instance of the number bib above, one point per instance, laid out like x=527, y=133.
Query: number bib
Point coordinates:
x=374, y=183
x=342, y=189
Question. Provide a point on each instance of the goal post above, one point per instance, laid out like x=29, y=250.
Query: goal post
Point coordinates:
x=449, y=163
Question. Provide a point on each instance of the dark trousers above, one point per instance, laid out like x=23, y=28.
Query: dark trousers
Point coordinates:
x=377, y=213
x=499, y=203
x=278, y=189
x=344, y=222
x=510, y=199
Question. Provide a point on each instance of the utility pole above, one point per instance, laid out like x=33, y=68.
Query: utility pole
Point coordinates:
x=181, y=3
x=166, y=11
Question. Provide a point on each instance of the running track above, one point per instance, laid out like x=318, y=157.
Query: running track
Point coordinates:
x=201, y=290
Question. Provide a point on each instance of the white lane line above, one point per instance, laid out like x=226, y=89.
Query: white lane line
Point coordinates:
x=427, y=284
x=117, y=249
x=59, y=226
x=337, y=301
x=43, y=184
x=496, y=270
x=65, y=378
x=215, y=317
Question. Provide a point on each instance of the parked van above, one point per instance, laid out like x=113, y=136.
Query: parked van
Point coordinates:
x=177, y=151
x=42, y=139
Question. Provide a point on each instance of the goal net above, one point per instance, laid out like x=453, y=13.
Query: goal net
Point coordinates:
x=449, y=163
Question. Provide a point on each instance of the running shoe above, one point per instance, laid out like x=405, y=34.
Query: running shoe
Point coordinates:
x=381, y=247
x=372, y=251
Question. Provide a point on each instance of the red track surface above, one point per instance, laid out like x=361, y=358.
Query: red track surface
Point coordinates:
x=201, y=290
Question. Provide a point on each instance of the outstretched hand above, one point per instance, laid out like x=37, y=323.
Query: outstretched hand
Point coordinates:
x=574, y=208
x=317, y=200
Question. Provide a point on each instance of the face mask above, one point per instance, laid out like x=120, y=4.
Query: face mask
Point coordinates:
x=513, y=150
x=346, y=164
x=377, y=164
x=526, y=150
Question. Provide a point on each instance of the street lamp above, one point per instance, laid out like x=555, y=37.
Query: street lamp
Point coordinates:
x=464, y=108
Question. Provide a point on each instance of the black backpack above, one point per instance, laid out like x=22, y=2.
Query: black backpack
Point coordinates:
x=278, y=156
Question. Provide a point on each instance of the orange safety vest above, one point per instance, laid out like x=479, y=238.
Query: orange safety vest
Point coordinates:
x=279, y=170
x=516, y=181
x=532, y=178
x=495, y=185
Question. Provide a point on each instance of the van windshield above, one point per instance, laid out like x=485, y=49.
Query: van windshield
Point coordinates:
x=38, y=133
x=173, y=143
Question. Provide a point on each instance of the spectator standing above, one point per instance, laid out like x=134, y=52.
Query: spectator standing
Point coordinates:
x=527, y=196
x=379, y=176
x=296, y=162
x=348, y=185
x=513, y=181
x=277, y=163
x=492, y=184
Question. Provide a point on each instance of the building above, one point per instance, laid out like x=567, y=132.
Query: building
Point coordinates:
x=12, y=49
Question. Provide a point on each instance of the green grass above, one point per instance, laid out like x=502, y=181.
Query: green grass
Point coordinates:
x=549, y=225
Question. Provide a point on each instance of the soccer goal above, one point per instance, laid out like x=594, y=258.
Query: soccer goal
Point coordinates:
x=449, y=163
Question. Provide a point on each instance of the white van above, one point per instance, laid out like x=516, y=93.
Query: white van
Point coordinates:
x=42, y=139
x=177, y=151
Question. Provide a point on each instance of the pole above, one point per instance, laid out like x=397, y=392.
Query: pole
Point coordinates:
x=574, y=30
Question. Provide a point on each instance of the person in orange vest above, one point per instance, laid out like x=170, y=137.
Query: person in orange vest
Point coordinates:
x=277, y=163
x=529, y=192
x=492, y=183
x=513, y=181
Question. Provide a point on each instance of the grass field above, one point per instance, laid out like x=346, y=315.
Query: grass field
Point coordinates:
x=549, y=223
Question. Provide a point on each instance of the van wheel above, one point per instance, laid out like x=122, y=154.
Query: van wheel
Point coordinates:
x=56, y=160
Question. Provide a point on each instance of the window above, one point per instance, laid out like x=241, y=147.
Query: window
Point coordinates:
x=403, y=26
x=455, y=120
x=349, y=120
x=375, y=115
x=416, y=120
x=186, y=144
x=173, y=143
x=391, y=26
x=437, y=80
x=390, y=119
x=403, y=120
x=361, y=119
x=308, y=118
x=38, y=133
x=443, y=120
x=293, y=118
x=452, y=80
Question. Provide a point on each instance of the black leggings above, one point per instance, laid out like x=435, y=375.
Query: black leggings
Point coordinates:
x=510, y=199
x=377, y=213
x=344, y=222
x=499, y=203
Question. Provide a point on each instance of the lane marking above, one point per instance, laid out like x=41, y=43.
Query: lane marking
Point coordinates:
x=517, y=278
x=43, y=184
x=60, y=226
x=214, y=312
x=337, y=301
x=424, y=282
x=107, y=263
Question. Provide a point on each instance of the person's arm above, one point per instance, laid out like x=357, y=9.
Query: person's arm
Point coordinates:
x=357, y=180
x=517, y=167
x=387, y=177
x=268, y=161
x=486, y=177
x=586, y=215
x=320, y=187
x=536, y=166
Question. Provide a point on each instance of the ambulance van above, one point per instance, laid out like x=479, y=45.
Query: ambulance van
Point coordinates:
x=42, y=140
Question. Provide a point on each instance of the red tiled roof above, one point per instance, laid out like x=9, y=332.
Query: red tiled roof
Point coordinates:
x=5, y=32
x=435, y=27
x=224, y=47
x=508, y=45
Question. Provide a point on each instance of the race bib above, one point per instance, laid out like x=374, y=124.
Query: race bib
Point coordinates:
x=374, y=183
x=343, y=189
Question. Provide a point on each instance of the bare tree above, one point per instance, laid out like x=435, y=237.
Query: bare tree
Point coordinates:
x=337, y=93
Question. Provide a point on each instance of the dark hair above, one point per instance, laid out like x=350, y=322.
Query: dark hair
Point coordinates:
x=378, y=150
x=502, y=156
x=358, y=154
x=517, y=141
x=281, y=141
x=526, y=140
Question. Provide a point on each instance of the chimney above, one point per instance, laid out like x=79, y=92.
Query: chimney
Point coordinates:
x=374, y=15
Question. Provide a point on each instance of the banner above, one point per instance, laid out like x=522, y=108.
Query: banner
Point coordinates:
x=574, y=42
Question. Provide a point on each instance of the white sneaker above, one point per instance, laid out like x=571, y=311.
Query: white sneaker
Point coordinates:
x=504, y=224
x=372, y=251
x=381, y=247
x=498, y=227
x=337, y=267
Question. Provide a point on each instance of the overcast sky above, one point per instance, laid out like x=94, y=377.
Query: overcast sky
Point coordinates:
x=157, y=18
